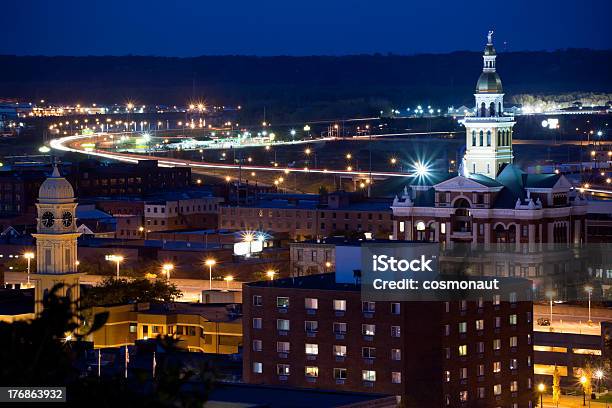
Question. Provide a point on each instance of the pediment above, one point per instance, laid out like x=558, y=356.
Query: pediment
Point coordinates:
x=461, y=183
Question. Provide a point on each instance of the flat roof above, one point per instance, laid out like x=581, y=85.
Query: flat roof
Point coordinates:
x=283, y=397
x=323, y=281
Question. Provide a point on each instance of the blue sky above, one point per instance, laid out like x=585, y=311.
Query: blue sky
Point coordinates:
x=294, y=27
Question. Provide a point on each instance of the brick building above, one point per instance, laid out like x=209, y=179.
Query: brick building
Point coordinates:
x=310, y=215
x=315, y=332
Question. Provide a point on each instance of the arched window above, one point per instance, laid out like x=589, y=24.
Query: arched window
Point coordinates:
x=483, y=110
x=488, y=138
x=492, y=109
x=499, y=137
x=499, y=109
x=473, y=138
x=481, y=138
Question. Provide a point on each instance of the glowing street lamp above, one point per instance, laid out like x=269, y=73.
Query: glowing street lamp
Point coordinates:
x=589, y=291
x=541, y=389
x=167, y=268
x=115, y=258
x=228, y=279
x=550, y=294
x=210, y=263
x=349, y=156
x=583, y=381
x=599, y=374
x=270, y=273
x=393, y=160
x=29, y=256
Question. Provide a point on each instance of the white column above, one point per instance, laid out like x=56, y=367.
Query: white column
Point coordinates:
x=408, y=230
x=551, y=238
x=395, y=228
x=448, y=232
x=577, y=230
x=474, y=234
x=487, y=235
x=532, y=237
x=437, y=231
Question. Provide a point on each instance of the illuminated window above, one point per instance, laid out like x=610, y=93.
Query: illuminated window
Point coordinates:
x=420, y=226
x=396, y=354
x=257, y=345
x=463, y=350
x=513, y=319
x=368, y=375
x=447, y=376
x=339, y=351
x=282, y=302
x=480, y=324
x=497, y=389
x=396, y=377
x=311, y=303
x=463, y=396
x=312, y=349
x=496, y=344
x=339, y=305
x=257, y=322
x=257, y=368
x=311, y=371
x=514, y=386
x=497, y=366
x=282, y=369
x=513, y=341
x=368, y=329
x=462, y=327
x=402, y=226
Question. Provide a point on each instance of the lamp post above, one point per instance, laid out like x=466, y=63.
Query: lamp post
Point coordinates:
x=550, y=294
x=210, y=263
x=589, y=291
x=115, y=258
x=599, y=374
x=228, y=279
x=167, y=268
x=583, y=381
x=29, y=256
x=270, y=273
x=541, y=389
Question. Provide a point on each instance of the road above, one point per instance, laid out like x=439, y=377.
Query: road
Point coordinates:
x=70, y=144
x=191, y=288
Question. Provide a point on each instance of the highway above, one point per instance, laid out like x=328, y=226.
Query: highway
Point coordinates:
x=69, y=144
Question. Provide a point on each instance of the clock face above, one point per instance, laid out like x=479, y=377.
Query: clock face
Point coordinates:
x=67, y=219
x=47, y=219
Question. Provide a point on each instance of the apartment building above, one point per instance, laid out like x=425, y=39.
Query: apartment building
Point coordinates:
x=315, y=332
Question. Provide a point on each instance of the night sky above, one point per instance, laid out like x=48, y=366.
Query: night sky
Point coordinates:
x=297, y=27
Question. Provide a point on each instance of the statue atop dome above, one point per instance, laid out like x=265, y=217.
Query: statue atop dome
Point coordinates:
x=490, y=37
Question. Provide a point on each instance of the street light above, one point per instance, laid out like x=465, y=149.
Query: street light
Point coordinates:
x=115, y=258
x=589, y=290
x=541, y=389
x=599, y=374
x=228, y=279
x=270, y=273
x=166, y=268
x=210, y=263
x=29, y=256
x=550, y=294
x=583, y=381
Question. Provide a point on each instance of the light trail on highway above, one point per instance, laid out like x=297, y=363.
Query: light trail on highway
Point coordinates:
x=62, y=144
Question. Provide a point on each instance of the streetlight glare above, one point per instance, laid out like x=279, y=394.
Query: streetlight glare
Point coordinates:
x=541, y=387
x=210, y=262
x=421, y=169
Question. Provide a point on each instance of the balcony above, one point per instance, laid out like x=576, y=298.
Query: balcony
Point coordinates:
x=311, y=333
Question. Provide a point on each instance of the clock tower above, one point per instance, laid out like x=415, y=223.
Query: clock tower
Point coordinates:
x=489, y=131
x=56, y=239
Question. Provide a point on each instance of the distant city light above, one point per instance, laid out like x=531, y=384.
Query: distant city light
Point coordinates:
x=421, y=169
